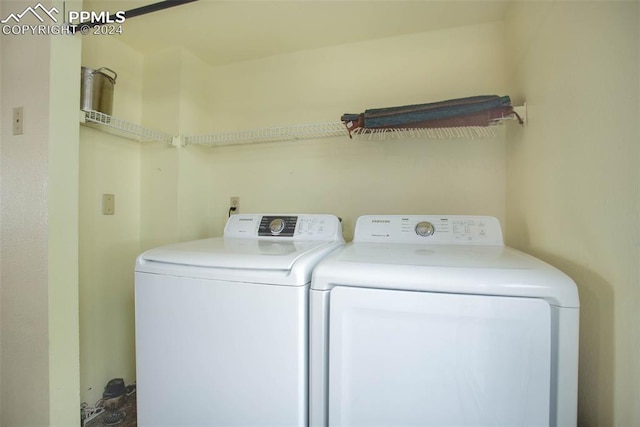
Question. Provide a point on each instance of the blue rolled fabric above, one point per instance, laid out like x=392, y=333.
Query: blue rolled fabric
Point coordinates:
x=480, y=110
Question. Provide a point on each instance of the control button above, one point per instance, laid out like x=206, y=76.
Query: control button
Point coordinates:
x=277, y=225
x=424, y=229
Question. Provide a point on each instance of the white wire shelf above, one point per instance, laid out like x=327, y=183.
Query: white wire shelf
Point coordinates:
x=285, y=133
x=123, y=128
x=290, y=133
x=466, y=132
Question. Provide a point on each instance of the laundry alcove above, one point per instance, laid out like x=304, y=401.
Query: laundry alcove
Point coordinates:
x=164, y=194
x=167, y=194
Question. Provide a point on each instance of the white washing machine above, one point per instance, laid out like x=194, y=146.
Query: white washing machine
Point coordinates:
x=222, y=323
x=432, y=321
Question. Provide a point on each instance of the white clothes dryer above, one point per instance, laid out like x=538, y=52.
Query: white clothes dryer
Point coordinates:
x=222, y=323
x=431, y=321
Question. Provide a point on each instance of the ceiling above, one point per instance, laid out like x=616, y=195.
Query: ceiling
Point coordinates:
x=222, y=32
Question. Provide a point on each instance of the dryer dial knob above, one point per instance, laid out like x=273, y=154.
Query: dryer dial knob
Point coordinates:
x=277, y=225
x=425, y=229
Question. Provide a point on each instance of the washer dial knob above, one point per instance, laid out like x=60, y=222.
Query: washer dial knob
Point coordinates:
x=424, y=229
x=277, y=225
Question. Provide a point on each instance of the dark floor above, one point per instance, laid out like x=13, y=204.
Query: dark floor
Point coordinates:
x=130, y=420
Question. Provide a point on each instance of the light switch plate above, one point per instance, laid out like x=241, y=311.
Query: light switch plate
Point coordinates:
x=108, y=204
x=18, y=121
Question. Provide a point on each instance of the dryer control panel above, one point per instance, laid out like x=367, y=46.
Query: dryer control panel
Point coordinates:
x=285, y=227
x=429, y=229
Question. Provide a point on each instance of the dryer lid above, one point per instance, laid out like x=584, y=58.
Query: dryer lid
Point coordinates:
x=478, y=270
x=441, y=253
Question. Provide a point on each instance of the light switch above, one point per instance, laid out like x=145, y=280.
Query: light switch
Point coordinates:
x=108, y=204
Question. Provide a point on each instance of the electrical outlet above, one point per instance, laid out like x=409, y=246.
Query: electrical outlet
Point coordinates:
x=18, y=121
x=234, y=204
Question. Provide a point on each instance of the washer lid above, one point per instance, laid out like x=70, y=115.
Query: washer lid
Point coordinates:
x=236, y=253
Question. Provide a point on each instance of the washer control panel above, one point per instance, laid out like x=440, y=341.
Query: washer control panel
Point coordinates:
x=286, y=227
x=283, y=226
x=429, y=229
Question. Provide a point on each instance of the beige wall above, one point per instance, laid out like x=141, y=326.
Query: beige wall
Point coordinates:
x=108, y=247
x=62, y=207
x=319, y=85
x=109, y=244
x=185, y=192
x=25, y=369
x=351, y=178
x=38, y=195
x=572, y=180
x=177, y=187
